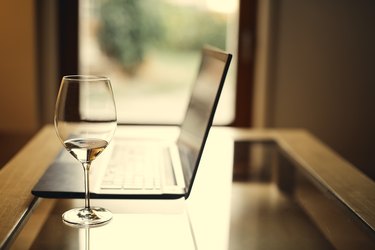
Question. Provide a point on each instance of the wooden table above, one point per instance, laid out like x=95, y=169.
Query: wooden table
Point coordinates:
x=334, y=194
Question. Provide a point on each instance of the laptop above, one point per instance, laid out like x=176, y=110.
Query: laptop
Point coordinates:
x=174, y=164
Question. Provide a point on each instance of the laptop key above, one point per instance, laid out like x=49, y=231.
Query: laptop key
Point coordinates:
x=134, y=168
x=110, y=185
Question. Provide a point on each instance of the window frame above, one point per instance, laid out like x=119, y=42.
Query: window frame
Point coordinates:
x=68, y=52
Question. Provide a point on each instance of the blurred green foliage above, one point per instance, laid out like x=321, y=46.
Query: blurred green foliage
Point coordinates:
x=188, y=28
x=130, y=27
x=126, y=28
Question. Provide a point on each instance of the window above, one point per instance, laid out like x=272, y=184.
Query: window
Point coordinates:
x=150, y=50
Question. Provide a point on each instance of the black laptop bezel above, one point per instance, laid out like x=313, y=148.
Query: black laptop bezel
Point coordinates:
x=226, y=59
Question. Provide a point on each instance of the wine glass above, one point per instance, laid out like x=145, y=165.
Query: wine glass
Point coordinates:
x=85, y=121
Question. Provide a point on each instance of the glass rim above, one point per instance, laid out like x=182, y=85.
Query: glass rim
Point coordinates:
x=85, y=78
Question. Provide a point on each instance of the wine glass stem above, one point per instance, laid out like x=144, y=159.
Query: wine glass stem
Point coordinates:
x=86, y=169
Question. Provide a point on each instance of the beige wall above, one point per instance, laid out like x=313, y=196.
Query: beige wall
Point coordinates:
x=320, y=73
x=18, y=99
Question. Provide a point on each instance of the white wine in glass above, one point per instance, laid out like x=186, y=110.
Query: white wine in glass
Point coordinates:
x=85, y=121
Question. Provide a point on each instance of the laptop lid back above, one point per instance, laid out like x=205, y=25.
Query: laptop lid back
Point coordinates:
x=200, y=112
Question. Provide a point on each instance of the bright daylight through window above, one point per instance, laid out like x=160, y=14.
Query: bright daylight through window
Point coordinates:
x=150, y=49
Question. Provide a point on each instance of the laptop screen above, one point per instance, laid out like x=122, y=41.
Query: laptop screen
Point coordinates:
x=201, y=108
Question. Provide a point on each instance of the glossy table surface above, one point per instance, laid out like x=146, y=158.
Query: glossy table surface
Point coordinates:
x=137, y=224
x=257, y=213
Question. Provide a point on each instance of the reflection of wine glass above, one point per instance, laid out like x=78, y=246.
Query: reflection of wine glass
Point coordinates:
x=85, y=121
x=87, y=238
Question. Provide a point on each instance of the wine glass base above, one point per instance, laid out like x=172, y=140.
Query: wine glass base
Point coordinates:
x=83, y=217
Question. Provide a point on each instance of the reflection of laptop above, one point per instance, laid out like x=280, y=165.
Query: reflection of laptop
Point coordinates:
x=62, y=180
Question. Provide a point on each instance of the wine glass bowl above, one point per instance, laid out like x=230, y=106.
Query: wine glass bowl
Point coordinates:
x=85, y=120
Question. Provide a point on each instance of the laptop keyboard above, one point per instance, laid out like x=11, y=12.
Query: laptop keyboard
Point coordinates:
x=133, y=167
